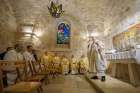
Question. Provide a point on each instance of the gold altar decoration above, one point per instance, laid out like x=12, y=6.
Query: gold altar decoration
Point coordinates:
x=127, y=39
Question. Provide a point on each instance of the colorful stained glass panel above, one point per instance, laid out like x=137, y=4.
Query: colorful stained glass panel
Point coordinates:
x=63, y=34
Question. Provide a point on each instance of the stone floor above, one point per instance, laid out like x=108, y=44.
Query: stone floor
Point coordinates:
x=69, y=84
x=112, y=85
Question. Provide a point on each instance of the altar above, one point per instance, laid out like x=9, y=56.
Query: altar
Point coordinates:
x=125, y=65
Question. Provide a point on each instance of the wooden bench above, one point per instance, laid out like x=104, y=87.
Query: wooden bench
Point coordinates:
x=38, y=74
x=20, y=86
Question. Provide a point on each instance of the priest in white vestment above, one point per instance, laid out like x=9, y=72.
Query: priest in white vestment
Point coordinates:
x=92, y=67
x=65, y=65
x=74, y=65
x=97, y=57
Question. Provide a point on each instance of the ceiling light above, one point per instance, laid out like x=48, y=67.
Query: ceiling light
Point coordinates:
x=27, y=28
x=27, y=35
x=38, y=33
x=25, y=38
x=84, y=37
x=95, y=34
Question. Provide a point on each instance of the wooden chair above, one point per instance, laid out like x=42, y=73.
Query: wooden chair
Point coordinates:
x=42, y=69
x=37, y=70
x=33, y=76
x=19, y=87
x=49, y=70
x=52, y=69
x=46, y=70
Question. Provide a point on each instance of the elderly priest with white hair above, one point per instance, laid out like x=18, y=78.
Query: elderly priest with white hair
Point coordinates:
x=96, y=59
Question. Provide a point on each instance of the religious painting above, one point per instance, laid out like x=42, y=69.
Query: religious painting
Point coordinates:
x=63, y=34
x=127, y=39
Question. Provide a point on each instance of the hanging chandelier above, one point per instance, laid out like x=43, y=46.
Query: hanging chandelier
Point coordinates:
x=55, y=9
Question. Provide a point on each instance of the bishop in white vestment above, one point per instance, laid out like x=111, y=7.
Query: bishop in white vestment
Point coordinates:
x=98, y=59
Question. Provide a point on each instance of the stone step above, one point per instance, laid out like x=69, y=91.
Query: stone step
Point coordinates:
x=112, y=85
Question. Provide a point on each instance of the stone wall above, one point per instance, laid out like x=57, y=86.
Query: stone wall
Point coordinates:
x=7, y=25
x=77, y=44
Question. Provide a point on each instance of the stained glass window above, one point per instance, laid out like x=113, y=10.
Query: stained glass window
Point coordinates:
x=63, y=34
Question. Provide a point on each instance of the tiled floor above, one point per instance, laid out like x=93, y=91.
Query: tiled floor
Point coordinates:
x=69, y=84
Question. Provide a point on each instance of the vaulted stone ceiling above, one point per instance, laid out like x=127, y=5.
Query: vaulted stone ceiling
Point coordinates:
x=85, y=16
x=92, y=14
